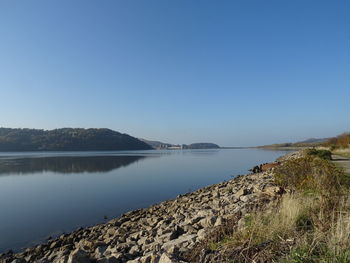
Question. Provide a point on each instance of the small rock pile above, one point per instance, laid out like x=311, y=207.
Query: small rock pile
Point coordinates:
x=158, y=234
x=292, y=156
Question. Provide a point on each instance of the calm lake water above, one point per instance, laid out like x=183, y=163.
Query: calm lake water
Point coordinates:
x=46, y=194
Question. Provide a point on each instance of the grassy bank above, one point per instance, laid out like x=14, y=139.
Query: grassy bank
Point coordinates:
x=310, y=223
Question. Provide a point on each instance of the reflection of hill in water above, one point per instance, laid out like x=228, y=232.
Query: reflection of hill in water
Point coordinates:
x=66, y=164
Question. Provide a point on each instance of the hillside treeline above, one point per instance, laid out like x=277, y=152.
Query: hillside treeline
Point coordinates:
x=67, y=139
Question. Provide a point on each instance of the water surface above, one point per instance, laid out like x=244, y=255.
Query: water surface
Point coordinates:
x=46, y=194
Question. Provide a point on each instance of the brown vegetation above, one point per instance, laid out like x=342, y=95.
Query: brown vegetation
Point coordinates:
x=341, y=141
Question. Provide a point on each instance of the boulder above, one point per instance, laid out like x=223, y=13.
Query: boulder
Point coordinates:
x=182, y=241
x=208, y=221
x=134, y=250
x=99, y=251
x=19, y=260
x=78, y=256
x=109, y=260
x=243, y=191
x=201, y=234
x=63, y=259
x=219, y=221
x=165, y=258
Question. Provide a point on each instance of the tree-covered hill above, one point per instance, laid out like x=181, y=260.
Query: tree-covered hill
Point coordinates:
x=68, y=139
x=201, y=145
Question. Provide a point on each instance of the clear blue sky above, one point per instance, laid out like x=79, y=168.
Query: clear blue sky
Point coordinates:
x=231, y=72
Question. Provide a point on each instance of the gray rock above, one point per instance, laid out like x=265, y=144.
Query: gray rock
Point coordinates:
x=109, y=260
x=165, y=258
x=99, y=251
x=19, y=260
x=144, y=241
x=63, y=259
x=219, y=221
x=208, y=221
x=201, y=234
x=179, y=242
x=134, y=250
x=78, y=256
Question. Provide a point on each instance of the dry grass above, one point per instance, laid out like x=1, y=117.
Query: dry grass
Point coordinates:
x=329, y=240
x=274, y=225
x=338, y=239
x=299, y=230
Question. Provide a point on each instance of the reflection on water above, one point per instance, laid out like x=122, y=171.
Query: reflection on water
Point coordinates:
x=65, y=164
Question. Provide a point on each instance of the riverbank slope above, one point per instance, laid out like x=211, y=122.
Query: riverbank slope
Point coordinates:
x=166, y=231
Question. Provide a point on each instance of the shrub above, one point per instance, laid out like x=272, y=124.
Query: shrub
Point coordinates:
x=323, y=154
x=310, y=175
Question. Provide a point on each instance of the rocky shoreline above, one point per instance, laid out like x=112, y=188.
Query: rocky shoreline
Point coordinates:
x=162, y=233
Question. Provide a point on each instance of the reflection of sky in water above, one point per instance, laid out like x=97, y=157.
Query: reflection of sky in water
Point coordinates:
x=44, y=202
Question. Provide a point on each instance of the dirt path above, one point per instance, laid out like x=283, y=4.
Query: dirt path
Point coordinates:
x=342, y=161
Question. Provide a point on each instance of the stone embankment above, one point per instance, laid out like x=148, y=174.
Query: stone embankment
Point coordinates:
x=159, y=234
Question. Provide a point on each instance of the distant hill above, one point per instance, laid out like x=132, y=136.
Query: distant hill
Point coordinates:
x=312, y=142
x=201, y=145
x=68, y=139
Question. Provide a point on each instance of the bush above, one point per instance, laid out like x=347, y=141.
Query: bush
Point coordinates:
x=311, y=175
x=323, y=154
